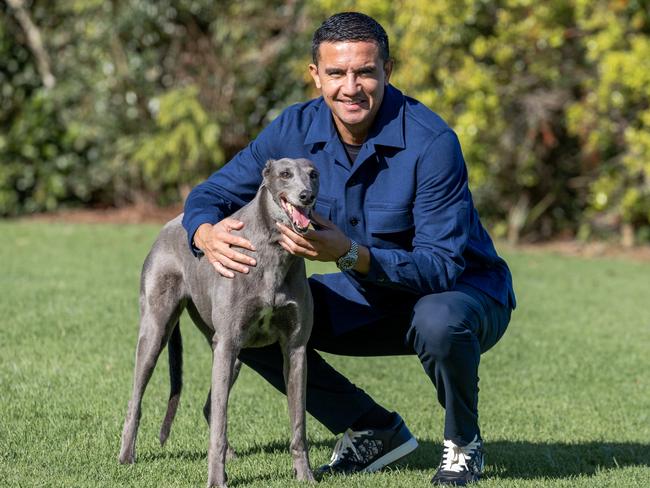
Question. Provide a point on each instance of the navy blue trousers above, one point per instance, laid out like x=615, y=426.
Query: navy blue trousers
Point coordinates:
x=448, y=331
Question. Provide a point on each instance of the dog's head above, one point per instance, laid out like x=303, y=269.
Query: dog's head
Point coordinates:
x=293, y=183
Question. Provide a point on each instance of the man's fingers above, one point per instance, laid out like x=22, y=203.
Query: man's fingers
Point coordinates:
x=216, y=241
x=238, y=241
x=289, y=245
x=223, y=249
x=232, y=224
x=290, y=234
x=226, y=273
x=225, y=266
x=231, y=264
x=295, y=248
x=223, y=233
x=286, y=248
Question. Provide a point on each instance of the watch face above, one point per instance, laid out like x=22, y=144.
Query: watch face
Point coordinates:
x=346, y=263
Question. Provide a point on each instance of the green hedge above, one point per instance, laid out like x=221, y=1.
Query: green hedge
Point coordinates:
x=551, y=100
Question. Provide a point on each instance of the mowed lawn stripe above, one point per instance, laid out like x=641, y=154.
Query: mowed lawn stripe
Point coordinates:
x=564, y=396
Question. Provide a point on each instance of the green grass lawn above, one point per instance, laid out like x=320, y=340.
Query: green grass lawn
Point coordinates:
x=565, y=396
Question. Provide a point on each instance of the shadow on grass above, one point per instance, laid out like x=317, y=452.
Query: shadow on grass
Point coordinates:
x=171, y=454
x=504, y=459
x=273, y=447
x=529, y=460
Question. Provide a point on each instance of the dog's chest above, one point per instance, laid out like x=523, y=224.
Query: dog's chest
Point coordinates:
x=268, y=323
x=261, y=332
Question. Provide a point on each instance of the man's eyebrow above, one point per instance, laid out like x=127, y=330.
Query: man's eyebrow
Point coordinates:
x=368, y=68
x=331, y=71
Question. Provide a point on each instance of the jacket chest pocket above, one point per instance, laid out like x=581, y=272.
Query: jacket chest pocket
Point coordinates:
x=391, y=228
x=325, y=206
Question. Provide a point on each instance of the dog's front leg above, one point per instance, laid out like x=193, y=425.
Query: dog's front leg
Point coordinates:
x=230, y=454
x=295, y=375
x=223, y=361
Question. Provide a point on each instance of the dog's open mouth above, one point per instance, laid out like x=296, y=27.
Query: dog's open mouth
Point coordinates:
x=299, y=216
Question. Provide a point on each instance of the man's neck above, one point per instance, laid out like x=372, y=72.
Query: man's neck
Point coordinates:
x=348, y=135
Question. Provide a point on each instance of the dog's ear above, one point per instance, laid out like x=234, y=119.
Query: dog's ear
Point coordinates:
x=267, y=168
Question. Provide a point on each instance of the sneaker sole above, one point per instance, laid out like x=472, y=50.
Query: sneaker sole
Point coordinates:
x=392, y=456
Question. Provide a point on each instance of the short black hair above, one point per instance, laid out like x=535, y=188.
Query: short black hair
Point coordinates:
x=350, y=26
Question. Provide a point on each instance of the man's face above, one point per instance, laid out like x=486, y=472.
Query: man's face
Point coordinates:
x=352, y=78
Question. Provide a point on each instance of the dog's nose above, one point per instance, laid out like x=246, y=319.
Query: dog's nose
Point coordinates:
x=306, y=197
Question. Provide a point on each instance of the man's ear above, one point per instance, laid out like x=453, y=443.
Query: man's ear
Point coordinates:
x=313, y=71
x=388, y=69
x=267, y=168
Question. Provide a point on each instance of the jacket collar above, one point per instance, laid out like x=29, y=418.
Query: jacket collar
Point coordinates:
x=387, y=130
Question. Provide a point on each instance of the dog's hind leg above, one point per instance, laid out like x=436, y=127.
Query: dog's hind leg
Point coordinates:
x=160, y=307
x=175, y=350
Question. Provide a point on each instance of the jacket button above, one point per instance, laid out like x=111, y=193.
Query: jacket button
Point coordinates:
x=354, y=221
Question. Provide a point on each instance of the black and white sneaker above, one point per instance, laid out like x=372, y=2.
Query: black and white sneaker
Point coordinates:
x=370, y=450
x=460, y=464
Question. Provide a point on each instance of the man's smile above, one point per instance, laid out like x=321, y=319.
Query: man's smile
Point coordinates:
x=354, y=104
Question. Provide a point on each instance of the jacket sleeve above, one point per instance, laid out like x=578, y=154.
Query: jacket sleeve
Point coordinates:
x=229, y=188
x=441, y=215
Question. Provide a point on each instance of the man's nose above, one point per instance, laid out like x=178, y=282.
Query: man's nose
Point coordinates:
x=350, y=85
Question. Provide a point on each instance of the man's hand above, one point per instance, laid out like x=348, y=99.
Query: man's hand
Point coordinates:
x=328, y=243
x=216, y=240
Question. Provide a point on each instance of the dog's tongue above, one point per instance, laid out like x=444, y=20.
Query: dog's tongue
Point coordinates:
x=300, y=218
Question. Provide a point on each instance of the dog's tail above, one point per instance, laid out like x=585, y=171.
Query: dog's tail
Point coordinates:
x=175, y=350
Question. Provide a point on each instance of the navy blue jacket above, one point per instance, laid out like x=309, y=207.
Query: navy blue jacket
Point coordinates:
x=406, y=198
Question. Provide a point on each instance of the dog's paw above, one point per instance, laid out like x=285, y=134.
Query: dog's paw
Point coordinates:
x=126, y=458
x=216, y=482
x=306, y=476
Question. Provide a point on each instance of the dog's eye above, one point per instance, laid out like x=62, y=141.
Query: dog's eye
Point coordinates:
x=285, y=175
x=313, y=175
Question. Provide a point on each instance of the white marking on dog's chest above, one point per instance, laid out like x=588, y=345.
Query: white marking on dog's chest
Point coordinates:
x=261, y=332
x=264, y=318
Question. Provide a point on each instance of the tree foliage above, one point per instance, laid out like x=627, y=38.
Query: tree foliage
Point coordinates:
x=612, y=117
x=551, y=100
x=150, y=96
x=183, y=147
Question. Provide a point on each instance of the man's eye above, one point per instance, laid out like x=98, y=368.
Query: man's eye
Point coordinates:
x=285, y=175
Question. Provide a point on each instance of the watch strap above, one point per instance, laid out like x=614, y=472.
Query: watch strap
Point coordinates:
x=349, y=259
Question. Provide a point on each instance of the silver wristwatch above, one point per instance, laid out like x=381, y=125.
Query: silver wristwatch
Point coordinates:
x=349, y=259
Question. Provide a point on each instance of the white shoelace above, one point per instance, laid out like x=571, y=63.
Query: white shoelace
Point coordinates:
x=455, y=458
x=347, y=442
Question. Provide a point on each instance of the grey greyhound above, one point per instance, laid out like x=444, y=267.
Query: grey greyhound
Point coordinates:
x=272, y=303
